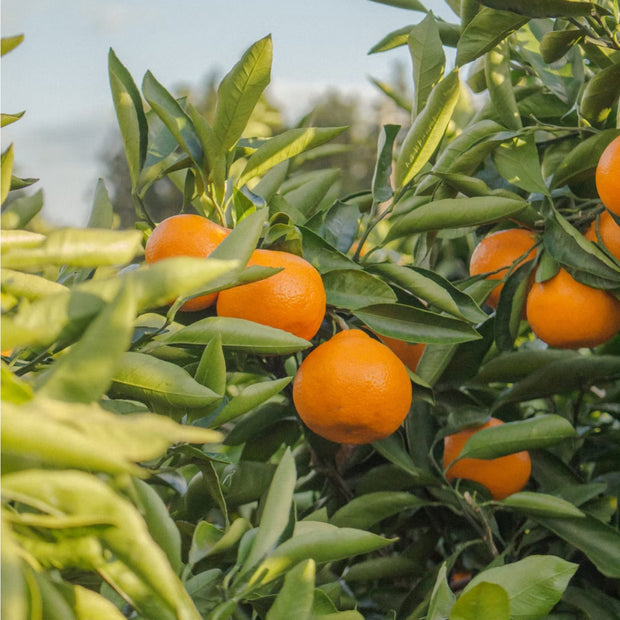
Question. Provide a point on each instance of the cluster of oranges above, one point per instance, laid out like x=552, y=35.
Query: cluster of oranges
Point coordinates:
x=350, y=389
x=589, y=316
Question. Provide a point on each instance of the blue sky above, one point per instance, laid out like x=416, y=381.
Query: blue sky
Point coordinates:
x=59, y=74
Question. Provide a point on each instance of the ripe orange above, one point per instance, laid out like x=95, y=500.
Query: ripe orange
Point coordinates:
x=502, y=476
x=608, y=176
x=352, y=389
x=500, y=250
x=408, y=353
x=292, y=299
x=609, y=232
x=186, y=235
x=567, y=314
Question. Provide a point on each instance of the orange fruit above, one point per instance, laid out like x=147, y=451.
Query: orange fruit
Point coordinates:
x=408, y=353
x=567, y=314
x=609, y=232
x=498, y=251
x=352, y=389
x=292, y=299
x=607, y=176
x=502, y=476
x=186, y=235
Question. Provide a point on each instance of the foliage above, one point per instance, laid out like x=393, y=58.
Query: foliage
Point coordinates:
x=153, y=464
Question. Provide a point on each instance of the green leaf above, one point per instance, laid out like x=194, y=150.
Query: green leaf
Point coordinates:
x=517, y=161
x=580, y=163
x=341, y=224
x=249, y=398
x=130, y=114
x=434, y=289
x=593, y=604
x=428, y=129
x=563, y=375
x=309, y=198
x=296, y=595
x=85, y=372
x=237, y=334
x=160, y=524
x=162, y=385
x=541, y=504
x=392, y=449
x=537, y=432
x=211, y=371
x=173, y=116
x=486, y=601
x=484, y=32
x=353, y=288
x=497, y=75
x=381, y=179
x=600, y=95
x=10, y=43
x=27, y=285
x=556, y=43
x=322, y=255
x=599, y=541
x=455, y=213
x=284, y=146
x=153, y=582
x=544, y=8
x=411, y=5
x=6, y=172
x=84, y=436
x=320, y=542
x=78, y=247
x=276, y=511
x=7, y=119
x=442, y=598
x=66, y=315
x=240, y=91
x=21, y=210
x=534, y=584
x=366, y=510
x=429, y=61
x=415, y=325
x=512, y=366
x=102, y=211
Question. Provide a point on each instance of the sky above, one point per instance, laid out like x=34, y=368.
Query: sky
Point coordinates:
x=59, y=73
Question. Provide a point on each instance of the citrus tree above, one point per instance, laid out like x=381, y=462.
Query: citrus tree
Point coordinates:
x=284, y=402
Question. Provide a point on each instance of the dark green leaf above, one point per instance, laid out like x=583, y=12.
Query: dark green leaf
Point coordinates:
x=599, y=541
x=564, y=375
x=497, y=75
x=517, y=161
x=484, y=32
x=381, y=180
x=600, y=95
x=455, y=213
x=543, y=8
x=322, y=255
x=432, y=288
x=556, y=43
x=366, y=510
x=510, y=367
x=412, y=5
x=542, y=505
x=353, y=288
x=537, y=432
x=415, y=325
